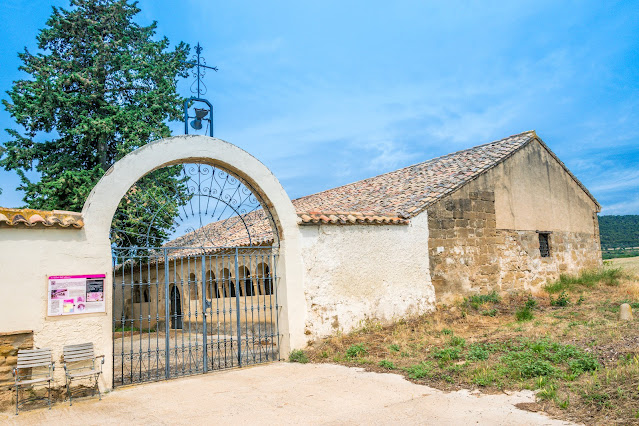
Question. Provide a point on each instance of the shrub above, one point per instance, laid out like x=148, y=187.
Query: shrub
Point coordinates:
x=298, y=355
x=447, y=332
x=527, y=368
x=394, y=347
x=584, y=363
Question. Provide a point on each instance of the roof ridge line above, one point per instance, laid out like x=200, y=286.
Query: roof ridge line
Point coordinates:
x=416, y=164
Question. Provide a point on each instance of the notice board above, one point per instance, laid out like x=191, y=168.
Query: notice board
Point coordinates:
x=76, y=294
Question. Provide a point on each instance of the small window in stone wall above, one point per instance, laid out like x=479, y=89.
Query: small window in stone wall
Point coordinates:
x=544, y=244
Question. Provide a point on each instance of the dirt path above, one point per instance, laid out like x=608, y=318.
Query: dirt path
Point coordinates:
x=284, y=393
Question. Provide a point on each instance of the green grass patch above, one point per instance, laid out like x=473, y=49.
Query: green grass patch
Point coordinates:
x=477, y=300
x=586, y=279
x=478, y=352
x=447, y=354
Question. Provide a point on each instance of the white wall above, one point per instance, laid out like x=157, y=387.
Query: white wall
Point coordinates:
x=358, y=272
x=30, y=256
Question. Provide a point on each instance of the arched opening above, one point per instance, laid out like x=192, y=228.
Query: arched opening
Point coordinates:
x=176, y=308
x=227, y=283
x=246, y=283
x=193, y=287
x=213, y=292
x=264, y=279
x=203, y=215
x=140, y=292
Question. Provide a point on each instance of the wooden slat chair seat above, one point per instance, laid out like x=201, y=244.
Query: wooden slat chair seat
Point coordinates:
x=35, y=366
x=79, y=363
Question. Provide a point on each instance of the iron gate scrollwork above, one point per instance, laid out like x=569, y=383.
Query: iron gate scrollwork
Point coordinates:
x=195, y=253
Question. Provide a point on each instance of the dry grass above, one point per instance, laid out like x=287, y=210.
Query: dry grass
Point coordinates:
x=629, y=264
x=583, y=361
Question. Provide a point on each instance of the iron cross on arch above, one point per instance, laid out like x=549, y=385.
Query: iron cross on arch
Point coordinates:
x=199, y=88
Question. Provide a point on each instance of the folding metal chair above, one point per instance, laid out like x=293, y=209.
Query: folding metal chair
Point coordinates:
x=79, y=363
x=35, y=366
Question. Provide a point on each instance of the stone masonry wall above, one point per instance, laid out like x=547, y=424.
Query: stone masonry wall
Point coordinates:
x=468, y=254
x=10, y=343
x=463, y=244
x=521, y=263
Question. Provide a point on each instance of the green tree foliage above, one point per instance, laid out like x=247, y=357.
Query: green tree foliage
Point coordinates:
x=100, y=88
x=619, y=231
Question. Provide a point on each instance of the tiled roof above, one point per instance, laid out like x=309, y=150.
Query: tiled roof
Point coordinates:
x=406, y=192
x=231, y=232
x=33, y=218
x=348, y=218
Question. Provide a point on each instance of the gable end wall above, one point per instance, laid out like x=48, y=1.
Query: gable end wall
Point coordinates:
x=483, y=237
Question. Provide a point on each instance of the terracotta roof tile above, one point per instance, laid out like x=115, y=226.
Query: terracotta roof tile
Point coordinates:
x=33, y=218
x=406, y=192
x=348, y=218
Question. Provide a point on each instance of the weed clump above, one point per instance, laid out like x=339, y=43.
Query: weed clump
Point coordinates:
x=298, y=355
x=387, y=364
x=356, y=350
x=447, y=354
x=419, y=371
x=476, y=301
x=561, y=301
x=457, y=341
x=524, y=314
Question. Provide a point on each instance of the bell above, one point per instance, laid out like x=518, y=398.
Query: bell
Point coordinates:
x=196, y=124
x=200, y=113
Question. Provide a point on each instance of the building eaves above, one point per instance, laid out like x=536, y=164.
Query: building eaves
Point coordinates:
x=40, y=218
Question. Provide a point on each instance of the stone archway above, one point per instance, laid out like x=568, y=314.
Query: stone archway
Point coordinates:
x=105, y=197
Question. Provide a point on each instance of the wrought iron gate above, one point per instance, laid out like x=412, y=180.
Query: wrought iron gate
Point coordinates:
x=183, y=307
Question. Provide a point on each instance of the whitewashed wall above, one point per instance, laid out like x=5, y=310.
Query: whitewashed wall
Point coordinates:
x=357, y=272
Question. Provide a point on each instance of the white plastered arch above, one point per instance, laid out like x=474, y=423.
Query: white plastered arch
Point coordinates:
x=103, y=201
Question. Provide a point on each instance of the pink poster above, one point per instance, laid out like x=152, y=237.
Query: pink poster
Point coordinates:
x=76, y=294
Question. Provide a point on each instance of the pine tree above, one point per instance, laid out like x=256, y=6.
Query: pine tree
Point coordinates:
x=101, y=88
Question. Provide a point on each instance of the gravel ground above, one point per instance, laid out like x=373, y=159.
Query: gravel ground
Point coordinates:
x=286, y=393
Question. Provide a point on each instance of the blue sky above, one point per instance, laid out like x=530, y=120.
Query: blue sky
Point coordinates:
x=326, y=93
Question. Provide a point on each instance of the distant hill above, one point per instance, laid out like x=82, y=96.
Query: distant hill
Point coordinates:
x=619, y=231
